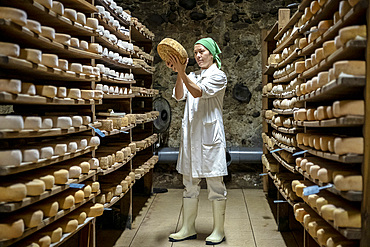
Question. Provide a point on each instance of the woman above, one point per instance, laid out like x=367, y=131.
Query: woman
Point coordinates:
x=203, y=147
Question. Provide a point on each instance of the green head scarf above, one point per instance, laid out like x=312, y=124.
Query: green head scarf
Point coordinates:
x=212, y=47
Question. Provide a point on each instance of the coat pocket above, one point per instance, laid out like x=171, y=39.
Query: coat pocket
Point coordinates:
x=211, y=133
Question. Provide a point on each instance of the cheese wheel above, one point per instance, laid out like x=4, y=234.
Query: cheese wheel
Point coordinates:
x=87, y=190
x=66, y=202
x=46, y=3
x=62, y=38
x=308, y=63
x=75, y=42
x=327, y=211
x=96, y=48
x=70, y=14
x=92, y=22
x=348, y=107
x=10, y=157
x=11, y=230
x=60, y=149
x=84, y=45
x=50, y=60
x=32, y=122
x=95, y=210
x=48, y=32
x=77, y=121
x=85, y=167
x=322, y=113
x=329, y=48
x=310, y=114
x=356, y=68
x=75, y=67
x=349, y=145
x=86, y=119
x=353, y=2
x=74, y=172
x=348, y=183
x=55, y=235
x=107, y=124
x=299, y=67
x=63, y=64
x=128, y=179
x=81, y=18
x=351, y=33
x=46, y=90
x=347, y=218
x=69, y=226
x=344, y=7
x=98, y=94
x=49, y=209
x=61, y=176
x=62, y=122
x=44, y=241
x=61, y=92
x=81, y=218
x=11, y=85
x=9, y=49
x=336, y=17
x=94, y=141
x=79, y=196
x=49, y=181
x=302, y=43
x=95, y=187
x=32, y=55
x=35, y=187
x=32, y=218
x=124, y=185
x=132, y=175
x=94, y=163
x=324, y=233
x=319, y=55
x=13, y=193
x=74, y=93
x=15, y=15
x=338, y=43
x=58, y=8
x=86, y=69
x=101, y=199
x=30, y=155
x=314, y=7
x=324, y=25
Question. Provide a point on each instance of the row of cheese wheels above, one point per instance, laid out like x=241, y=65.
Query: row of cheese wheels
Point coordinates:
x=36, y=123
x=112, y=123
x=284, y=183
x=48, y=60
x=316, y=31
x=343, y=177
x=329, y=206
x=38, y=181
x=145, y=91
x=16, y=86
x=320, y=54
x=45, y=150
x=108, y=159
x=141, y=63
x=115, y=57
x=143, y=55
x=116, y=9
x=287, y=139
x=270, y=163
x=110, y=20
x=319, y=229
x=113, y=90
x=111, y=73
x=147, y=142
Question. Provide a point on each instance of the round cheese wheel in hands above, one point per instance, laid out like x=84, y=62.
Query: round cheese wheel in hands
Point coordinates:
x=169, y=47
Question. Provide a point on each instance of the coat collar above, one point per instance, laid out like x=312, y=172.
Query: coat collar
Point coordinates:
x=210, y=70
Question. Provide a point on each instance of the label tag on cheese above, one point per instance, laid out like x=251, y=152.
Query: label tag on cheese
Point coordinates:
x=98, y=131
x=276, y=150
x=300, y=152
x=76, y=186
x=314, y=189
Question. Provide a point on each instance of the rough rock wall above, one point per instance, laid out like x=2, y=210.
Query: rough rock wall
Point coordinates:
x=236, y=26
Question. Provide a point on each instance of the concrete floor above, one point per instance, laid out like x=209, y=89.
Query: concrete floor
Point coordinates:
x=249, y=221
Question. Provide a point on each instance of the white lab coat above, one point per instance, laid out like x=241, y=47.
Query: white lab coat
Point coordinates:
x=203, y=146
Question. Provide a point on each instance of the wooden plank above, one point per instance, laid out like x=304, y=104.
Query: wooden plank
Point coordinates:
x=137, y=36
x=291, y=58
x=271, y=33
x=110, y=79
x=127, y=96
x=113, y=13
x=289, y=41
x=283, y=18
x=111, y=29
x=365, y=205
x=349, y=158
x=292, y=21
x=79, y=5
x=113, y=47
x=113, y=64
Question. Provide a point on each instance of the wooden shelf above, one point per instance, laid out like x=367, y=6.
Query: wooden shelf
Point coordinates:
x=346, y=121
x=26, y=69
x=292, y=130
x=272, y=32
x=8, y=98
x=351, y=18
x=353, y=49
x=139, y=70
x=112, y=47
x=46, y=17
x=115, y=199
x=48, y=221
x=17, y=34
x=5, y=134
x=103, y=22
x=349, y=158
x=115, y=167
x=287, y=148
x=26, y=166
x=292, y=21
x=291, y=58
x=289, y=41
x=137, y=36
x=112, y=13
x=269, y=70
x=127, y=96
x=283, y=111
x=290, y=167
x=286, y=78
x=348, y=87
x=113, y=64
x=116, y=131
x=13, y=206
x=109, y=79
x=79, y=5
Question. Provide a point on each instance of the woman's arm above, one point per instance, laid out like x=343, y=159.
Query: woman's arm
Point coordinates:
x=179, y=89
x=195, y=90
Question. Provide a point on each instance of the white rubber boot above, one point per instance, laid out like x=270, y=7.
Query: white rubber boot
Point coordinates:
x=218, y=234
x=189, y=214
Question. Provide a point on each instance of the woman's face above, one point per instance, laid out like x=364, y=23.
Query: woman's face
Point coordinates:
x=203, y=57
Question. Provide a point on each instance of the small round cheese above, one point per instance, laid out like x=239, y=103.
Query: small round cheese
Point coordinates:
x=96, y=48
x=60, y=149
x=44, y=241
x=81, y=18
x=62, y=38
x=13, y=193
x=49, y=209
x=75, y=42
x=49, y=181
x=56, y=235
x=92, y=22
x=61, y=176
x=50, y=60
x=11, y=85
x=46, y=3
x=58, y=8
x=87, y=69
x=66, y=202
x=94, y=141
x=95, y=187
x=46, y=152
x=48, y=32
x=95, y=210
x=77, y=121
x=94, y=163
x=81, y=218
x=32, y=122
x=70, y=14
x=47, y=123
x=14, y=229
x=72, y=147
x=87, y=190
x=35, y=187
x=34, y=26
x=82, y=144
x=85, y=167
x=15, y=15
x=84, y=45
x=32, y=55
x=12, y=122
x=74, y=93
x=62, y=92
x=10, y=157
x=79, y=196
x=76, y=67
x=46, y=90
x=70, y=226
x=62, y=122
x=63, y=64
x=86, y=119
x=9, y=49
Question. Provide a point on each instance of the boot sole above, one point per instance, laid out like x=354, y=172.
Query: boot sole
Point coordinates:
x=179, y=240
x=215, y=243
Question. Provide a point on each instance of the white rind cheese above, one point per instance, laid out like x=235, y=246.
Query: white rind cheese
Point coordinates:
x=34, y=26
x=15, y=15
x=11, y=85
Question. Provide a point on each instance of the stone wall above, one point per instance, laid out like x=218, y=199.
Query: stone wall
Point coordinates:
x=236, y=26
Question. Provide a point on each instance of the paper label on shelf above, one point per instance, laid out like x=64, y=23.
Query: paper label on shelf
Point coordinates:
x=315, y=189
x=98, y=131
x=276, y=150
x=76, y=186
x=263, y=174
x=300, y=152
x=279, y=201
x=125, y=132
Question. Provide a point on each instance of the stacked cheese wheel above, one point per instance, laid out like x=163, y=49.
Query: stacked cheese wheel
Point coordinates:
x=295, y=67
x=116, y=158
x=115, y=57
x=114, y=74
x=113, y=90
x=283, y=181
x=286, y=139
x=268, y=141
x=270, y=163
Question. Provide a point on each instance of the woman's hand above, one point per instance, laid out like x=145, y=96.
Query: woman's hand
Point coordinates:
x=175, y=64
